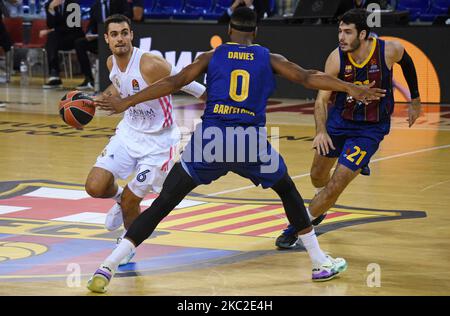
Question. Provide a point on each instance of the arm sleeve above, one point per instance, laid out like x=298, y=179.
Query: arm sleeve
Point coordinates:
x=409, y=71
x=194, y=88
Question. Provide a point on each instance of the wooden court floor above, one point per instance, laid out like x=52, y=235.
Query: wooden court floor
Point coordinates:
x=393, y=227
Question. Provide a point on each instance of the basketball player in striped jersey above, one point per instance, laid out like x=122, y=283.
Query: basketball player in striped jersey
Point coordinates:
x=146, y=138
x=352, y=131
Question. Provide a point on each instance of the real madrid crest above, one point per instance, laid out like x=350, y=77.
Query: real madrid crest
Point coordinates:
x=135, y=85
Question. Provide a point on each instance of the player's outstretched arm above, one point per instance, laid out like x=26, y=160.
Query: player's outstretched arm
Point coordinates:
x=154, y=68
x=194, y=88
x=160, y=88
x=314, y=79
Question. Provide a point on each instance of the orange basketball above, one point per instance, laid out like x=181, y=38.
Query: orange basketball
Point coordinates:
x=76, y=108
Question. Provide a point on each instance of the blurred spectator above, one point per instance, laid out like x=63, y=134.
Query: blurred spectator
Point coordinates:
x=443, y=19
x=346, y=5
x=447, y=22
x=137, y=7
x=59, y=37
x=391, y=4
x=261, y=7
x=99, y=11
x=14, y=7
x=5, y=40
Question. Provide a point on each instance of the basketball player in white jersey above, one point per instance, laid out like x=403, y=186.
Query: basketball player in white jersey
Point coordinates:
x=146, y=138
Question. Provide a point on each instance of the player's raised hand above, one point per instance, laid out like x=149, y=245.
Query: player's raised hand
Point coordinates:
x=414, y=111
x=322, y=143
x=111, y=104
x=366, y=93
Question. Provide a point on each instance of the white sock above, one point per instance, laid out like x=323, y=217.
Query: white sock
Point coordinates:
x=311, y=244
x=122, y=250
x=319, y=189
x=311, y=217
x=118, y=195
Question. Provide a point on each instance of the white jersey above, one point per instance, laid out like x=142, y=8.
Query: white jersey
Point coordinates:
x=147, y=127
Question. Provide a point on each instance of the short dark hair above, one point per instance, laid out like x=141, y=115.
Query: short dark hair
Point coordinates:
x=243, y=19
x=116, y=18
x=359, y=18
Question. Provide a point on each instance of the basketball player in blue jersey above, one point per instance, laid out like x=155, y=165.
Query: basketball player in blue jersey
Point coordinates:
x=352, y=131
x=240, y=79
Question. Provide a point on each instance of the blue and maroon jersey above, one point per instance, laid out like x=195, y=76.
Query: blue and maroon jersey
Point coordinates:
x=372, y=69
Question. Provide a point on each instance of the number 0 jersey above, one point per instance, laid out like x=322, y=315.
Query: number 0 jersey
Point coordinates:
x=240, y=79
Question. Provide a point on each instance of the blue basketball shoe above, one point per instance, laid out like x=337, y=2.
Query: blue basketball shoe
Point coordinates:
x=289, y=236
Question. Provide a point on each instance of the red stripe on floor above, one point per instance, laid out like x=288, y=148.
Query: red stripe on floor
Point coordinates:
x=198, y=212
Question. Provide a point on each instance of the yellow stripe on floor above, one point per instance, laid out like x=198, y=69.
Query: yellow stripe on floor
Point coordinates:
x=169, y=223
x=236, y=220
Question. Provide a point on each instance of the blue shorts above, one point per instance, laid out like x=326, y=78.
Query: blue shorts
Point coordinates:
x=354, y=152
x=267, y=167
x=205, y=173
x=355, y=142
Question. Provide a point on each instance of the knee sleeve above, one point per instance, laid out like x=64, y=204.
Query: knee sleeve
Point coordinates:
x=178, y=183
x=293, y=203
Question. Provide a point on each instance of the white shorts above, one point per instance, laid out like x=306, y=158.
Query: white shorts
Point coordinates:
x=150, y=170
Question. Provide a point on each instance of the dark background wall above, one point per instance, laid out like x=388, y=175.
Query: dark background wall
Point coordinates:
x=309, y=46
